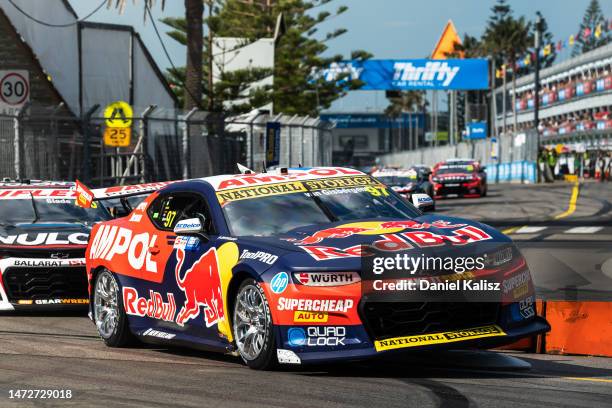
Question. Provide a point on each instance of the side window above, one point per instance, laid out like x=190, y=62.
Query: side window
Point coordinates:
x=169, y=209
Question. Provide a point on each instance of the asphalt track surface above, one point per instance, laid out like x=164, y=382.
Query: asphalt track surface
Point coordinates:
x=62, y=351
x=570, y=257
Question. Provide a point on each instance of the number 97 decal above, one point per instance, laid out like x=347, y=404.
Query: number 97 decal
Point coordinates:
x=377, y=191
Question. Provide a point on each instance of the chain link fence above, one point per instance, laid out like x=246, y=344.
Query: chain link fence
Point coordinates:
x=53, y=144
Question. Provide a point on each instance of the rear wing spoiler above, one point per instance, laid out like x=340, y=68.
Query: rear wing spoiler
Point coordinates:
x=85, y=196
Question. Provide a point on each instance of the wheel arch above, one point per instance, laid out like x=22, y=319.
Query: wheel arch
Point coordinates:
x=238, y=277
x=94, y=274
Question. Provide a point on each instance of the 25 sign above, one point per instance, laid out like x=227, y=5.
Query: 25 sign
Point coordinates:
x=117, y=137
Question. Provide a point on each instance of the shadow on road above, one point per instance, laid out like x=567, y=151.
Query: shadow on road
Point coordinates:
x=557, y=366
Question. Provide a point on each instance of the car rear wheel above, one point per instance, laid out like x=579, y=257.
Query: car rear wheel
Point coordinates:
x=108, y=312
x=252, y=325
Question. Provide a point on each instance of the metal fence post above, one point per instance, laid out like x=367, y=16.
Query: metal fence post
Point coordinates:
x=17, y=146
x=140, y=145
x=186, y=153
x=251, y=145
x=290, y=144
x=54, y=148
x=18, y=141
x=315, y=141
x=302, y=141
x=86, y=143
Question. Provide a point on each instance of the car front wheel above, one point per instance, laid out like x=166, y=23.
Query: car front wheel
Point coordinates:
x=108, y=312
x=252, y=325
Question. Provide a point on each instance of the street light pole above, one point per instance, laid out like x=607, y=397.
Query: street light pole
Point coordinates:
x=536, y=100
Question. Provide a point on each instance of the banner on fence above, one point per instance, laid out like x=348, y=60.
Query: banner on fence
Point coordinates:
x=273, y=133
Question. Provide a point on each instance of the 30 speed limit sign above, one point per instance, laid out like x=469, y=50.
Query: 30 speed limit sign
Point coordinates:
x=14, y=88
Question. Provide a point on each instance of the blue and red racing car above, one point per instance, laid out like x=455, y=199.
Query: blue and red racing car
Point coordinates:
x=269, y=266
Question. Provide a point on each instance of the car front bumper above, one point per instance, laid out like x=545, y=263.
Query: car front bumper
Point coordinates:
x=355, y=349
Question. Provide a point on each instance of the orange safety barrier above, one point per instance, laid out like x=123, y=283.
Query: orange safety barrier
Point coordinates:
x=579, y=328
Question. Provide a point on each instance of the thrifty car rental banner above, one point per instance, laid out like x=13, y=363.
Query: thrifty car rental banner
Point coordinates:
x=400, y=75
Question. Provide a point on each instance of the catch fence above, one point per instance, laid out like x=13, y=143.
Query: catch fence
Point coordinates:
x=52, y=144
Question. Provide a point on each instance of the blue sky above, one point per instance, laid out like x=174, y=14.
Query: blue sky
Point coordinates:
x=385, y=28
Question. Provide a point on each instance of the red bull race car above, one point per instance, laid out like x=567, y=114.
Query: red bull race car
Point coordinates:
x=270, y=267
x=460, y=177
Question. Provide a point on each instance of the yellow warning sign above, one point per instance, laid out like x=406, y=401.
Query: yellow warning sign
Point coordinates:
x=446, y=43
x=118, y=115
x=117, y=136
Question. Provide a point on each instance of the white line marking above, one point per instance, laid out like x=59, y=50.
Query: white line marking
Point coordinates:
x=583, y=230
x=529, y=230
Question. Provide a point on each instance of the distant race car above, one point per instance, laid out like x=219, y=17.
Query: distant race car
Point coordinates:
x=407, y=181
x=462, y=177
x=43, y=236
x=269, y=266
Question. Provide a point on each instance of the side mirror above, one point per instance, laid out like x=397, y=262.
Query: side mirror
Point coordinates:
x=423, y=202
x=189, y=226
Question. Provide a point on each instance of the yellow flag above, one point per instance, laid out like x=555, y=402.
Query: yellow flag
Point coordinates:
x=598, y=31
x=571, y=39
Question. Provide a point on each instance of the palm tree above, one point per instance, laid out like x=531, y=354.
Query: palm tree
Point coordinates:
x=505, y=39
x=517, y=44
x=194, y=10
x=406, y=102
x=470, y=47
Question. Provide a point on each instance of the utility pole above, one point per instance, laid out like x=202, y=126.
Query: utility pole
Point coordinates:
x=536, y=96
x=211, y=102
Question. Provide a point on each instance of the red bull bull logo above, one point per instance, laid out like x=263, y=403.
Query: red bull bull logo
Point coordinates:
x=337, y=232
x=201, y=284
x=371, y=228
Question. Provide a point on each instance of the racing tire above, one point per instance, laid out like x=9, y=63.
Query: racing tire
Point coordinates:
x=108, y=312
x=252, y=314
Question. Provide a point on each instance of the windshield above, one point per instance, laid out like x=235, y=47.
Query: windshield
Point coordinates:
x=48, y=210
x=459, y=168
x=267, y=212
x=396, y=180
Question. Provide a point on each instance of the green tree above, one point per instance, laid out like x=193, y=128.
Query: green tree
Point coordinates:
x=593, y=20
x=299, y=53
x=507, y=38
x=546, y=38
x=496, y=32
